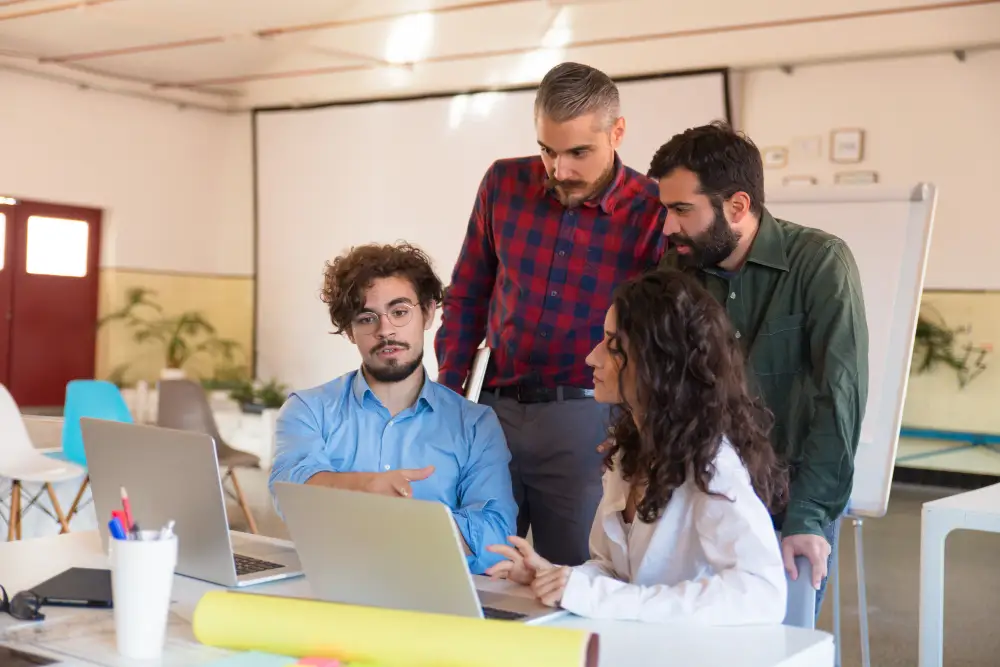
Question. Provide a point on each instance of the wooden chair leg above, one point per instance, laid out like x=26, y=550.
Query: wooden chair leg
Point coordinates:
x=76, y=501
x=243, y=501
x=15, y=510
x=63, y=523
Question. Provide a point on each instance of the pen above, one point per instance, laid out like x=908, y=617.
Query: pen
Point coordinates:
x=127, y=507
x=122, y=521
x=116, y=529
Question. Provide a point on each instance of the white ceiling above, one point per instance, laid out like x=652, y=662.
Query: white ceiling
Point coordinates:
x=241, y=54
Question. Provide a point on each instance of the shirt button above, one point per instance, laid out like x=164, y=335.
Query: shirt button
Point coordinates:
x=391, y=423
x=732, y=295
x=387, y=467
x=544, y=334
x=738, y=334
x=562, y=253
x=553, y=293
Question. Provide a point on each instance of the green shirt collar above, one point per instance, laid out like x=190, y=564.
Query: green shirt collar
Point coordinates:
x=768, y=247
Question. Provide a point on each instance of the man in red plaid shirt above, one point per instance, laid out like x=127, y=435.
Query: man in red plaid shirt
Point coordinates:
x=548, y=240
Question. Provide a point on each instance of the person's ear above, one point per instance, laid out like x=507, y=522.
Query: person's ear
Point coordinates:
x=739, y=207
x=617, y=132
x=429, y=311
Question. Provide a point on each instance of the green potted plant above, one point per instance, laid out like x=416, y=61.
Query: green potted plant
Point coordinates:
x=934, y=343
x=255, y=398
x=183, y=336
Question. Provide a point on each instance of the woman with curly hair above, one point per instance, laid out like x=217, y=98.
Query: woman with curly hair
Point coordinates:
x=683, y=531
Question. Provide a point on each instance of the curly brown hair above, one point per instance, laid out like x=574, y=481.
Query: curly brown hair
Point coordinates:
x=348, y=277
x=691, y=384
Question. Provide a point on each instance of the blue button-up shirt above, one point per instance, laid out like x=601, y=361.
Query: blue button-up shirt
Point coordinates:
x=342, y=426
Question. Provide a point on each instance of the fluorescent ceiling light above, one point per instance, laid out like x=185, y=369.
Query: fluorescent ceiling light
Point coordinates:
x=410, y=38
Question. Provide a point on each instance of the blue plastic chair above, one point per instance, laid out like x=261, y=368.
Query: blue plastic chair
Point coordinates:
x=98, y=399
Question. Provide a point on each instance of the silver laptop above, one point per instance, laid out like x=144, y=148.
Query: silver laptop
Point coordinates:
x=397, y=553
x=174, y=475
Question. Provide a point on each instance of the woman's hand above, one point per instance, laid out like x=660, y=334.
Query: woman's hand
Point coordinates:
x=523, y=563
x=550, y=585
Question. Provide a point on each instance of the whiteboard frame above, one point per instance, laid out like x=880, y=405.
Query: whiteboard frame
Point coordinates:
x=915, y=253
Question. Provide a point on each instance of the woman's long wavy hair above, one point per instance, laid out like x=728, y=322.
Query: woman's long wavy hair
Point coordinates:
x=691, y=391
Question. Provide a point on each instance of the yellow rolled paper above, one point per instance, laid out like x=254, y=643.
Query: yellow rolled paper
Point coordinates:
x=296, y=627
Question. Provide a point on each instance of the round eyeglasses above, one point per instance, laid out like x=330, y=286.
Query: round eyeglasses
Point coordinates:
x=399, y=316
x=24, y=606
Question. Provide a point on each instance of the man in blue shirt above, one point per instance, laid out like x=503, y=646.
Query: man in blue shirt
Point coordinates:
x=388, y=428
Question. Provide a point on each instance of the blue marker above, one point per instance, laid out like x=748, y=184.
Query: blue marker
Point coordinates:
x=117, y=531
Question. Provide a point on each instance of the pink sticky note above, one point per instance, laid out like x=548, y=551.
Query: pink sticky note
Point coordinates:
x=317, y=662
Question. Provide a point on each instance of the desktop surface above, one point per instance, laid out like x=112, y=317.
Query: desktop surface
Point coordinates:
x=622, y=644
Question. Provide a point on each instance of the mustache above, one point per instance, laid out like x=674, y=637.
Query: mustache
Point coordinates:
x=680, y=239
x=551, y=182
x=387, y=342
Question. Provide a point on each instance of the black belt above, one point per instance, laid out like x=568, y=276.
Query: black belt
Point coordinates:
x=527, y=394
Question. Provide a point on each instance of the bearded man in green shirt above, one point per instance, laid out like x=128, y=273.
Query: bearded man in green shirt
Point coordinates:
x=793, y=295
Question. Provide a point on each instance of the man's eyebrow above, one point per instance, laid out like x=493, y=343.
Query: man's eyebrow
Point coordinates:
x=395, y=302
x=581, y=147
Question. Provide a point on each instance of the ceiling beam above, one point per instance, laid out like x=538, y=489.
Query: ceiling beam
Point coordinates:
x=51, y=9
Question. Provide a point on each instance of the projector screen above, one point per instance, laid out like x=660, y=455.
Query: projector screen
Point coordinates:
x=337, y=176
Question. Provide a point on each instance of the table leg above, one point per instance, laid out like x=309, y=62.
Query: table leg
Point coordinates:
x=859, y=550
x=933, y=534
x=835, y=583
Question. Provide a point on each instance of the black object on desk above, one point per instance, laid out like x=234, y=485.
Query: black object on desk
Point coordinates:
x=76, y=587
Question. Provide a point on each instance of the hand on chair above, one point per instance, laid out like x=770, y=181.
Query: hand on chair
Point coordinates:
x=813, y=547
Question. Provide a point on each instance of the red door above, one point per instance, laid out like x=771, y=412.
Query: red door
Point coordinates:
x=53, y=336
x=6, y=284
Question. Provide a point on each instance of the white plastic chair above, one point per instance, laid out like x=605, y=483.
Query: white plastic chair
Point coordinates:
x=22, y=464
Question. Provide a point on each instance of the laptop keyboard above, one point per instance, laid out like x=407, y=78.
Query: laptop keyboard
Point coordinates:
x=248, y=565
x=501, y=614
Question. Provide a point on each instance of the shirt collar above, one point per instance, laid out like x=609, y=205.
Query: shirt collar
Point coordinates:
x=608, y=199
x=768, y=247
x=426, y=399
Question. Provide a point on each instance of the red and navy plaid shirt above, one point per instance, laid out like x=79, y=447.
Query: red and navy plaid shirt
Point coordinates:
x=535, y=278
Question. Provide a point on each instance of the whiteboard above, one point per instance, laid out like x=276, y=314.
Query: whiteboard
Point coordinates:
x=888, y=229
x=332, y=177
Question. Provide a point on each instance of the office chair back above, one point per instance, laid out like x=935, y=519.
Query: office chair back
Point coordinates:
x=800, y=611
x=98, y=399
x=183, y=405
x=17, y=443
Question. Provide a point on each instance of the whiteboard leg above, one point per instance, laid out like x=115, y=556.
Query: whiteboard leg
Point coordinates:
x=862, y=599
x=835, y=583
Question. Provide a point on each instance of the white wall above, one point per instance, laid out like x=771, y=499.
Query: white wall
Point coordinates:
x=175, y=185
x=929, y=118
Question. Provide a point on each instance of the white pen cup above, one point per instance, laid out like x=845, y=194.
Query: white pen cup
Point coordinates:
x=142, y=576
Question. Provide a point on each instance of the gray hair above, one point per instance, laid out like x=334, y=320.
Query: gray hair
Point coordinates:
x=571, y=90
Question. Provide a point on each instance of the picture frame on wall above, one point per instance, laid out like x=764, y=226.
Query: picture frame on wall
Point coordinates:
x=798, y=180
x=775, y=157
x=855, y=177
x=847, y=145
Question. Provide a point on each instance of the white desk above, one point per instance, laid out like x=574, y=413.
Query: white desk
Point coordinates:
x=24, y=564
x=973, y=510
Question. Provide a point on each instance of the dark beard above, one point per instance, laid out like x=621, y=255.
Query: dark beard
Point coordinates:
x=394, y=371
x=712, y=246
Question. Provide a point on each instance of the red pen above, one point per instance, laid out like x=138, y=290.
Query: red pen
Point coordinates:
x=128, y=511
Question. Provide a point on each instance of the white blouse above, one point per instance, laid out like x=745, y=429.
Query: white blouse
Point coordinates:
x=708, y=560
